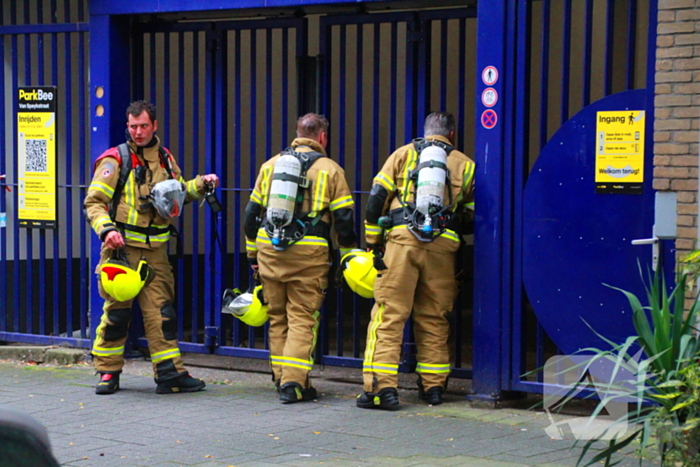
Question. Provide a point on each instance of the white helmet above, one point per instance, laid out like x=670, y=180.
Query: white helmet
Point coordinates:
x=168, y=197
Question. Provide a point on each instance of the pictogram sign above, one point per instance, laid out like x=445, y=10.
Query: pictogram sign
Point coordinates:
x=489, y=118
x=489, y=97
x=489, y=76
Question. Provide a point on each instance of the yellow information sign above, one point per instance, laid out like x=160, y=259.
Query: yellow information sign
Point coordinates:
x=36, y=147
x=619, y=163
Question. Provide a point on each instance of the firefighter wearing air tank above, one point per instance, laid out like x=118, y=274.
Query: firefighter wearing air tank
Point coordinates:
x=135, y=196
x=417, y=203
x=298, y=195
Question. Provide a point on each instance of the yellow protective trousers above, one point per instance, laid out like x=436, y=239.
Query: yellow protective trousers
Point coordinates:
x=294, y=285
x=160, y=320
x=431, y=275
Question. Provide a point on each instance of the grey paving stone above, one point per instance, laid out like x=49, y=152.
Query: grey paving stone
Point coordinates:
x=231, y=424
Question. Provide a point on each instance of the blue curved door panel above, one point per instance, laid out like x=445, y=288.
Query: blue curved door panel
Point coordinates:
x=575, y=241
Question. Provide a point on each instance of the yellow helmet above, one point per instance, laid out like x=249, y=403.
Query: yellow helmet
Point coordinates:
x=249, y=307
x=123, y=283
x=359, y=272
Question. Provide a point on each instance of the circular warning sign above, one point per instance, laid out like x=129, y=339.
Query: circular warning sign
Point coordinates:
x=489, y=76
x=489, y=97
x=489, y=118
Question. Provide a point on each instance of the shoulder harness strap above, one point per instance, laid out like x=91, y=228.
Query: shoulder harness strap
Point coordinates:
x=165, y=160
x=125, y=155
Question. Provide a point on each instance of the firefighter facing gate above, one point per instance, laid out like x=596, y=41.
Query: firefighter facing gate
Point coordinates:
x=416, y=212
x=297, y=195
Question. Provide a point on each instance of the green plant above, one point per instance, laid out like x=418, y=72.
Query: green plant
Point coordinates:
x=678, y=428
x=663, y=385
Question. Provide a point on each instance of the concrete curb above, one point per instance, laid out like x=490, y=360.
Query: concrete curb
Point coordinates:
x=43, y=354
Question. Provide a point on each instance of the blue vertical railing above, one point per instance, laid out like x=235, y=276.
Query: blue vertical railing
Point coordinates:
x=411, y=72
x=532, y=348
x=232, y=139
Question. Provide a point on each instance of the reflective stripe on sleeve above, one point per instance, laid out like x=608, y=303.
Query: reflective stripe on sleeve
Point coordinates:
x=100, y=221
x=102, y=188
x=385, y=181
x=450, y=235
x=372, y=229
x=192, y=188
x=344, y=202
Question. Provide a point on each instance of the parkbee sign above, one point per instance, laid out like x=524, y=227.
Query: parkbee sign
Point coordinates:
x=36, y=157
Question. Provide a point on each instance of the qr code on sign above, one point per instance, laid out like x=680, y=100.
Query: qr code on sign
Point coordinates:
x=37, y=159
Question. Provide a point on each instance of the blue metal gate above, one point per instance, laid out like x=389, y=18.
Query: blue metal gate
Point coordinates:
x=382, y=74
x=44, y=274
x=563, y=67
x=228, y=94
x=260, y=66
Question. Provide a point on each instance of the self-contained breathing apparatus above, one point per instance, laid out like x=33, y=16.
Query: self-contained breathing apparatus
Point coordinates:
x=428, y=216
x=283, y=223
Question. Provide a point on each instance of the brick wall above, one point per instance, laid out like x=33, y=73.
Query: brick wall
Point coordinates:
x=677, y=108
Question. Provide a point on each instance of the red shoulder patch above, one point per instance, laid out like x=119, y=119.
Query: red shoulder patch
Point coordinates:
x=111, y=152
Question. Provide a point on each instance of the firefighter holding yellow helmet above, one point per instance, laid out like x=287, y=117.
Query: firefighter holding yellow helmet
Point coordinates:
x=135, y=193
x=414, y=211
x=299, y=194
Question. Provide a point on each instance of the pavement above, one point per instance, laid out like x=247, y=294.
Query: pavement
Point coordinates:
x=239, y=421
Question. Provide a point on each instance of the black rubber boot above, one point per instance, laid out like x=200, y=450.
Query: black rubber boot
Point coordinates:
x=433, y=395
x=385, y=399
x=109, y=383
x=293, y=392
x=183, y=383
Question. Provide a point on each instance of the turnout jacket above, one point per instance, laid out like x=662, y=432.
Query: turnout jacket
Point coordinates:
x=328, y=196
x=389, y=190
x=135, y=217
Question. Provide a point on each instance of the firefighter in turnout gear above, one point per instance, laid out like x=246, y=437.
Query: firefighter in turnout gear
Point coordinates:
x=417, y=203
x=298, y=195
x=120, y=208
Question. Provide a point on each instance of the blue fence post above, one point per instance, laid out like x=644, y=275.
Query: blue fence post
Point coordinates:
x=489, y=241
x=109, y=51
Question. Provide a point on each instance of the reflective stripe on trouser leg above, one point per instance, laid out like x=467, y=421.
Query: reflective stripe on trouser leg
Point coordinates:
x=111, y=334
x=435, y=295
x=276, y=296
x=294, y=283
x=389, y=314
x=305, y=297
x=159, y=317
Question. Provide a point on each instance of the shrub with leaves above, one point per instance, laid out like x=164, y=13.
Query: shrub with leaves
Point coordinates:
x=663, y=385
x=678, y=428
